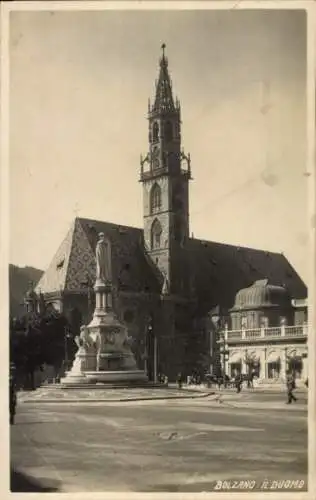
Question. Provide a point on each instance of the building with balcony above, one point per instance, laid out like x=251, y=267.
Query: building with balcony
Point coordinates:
x=266, y=334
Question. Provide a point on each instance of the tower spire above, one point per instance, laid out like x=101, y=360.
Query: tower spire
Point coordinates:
x=164, y=98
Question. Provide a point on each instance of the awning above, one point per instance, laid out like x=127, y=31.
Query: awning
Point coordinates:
x=254, y=356
x=235, y=357
x=273, y=357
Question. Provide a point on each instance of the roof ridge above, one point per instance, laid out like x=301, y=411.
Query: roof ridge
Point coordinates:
x=117, y=224
x=241, y=247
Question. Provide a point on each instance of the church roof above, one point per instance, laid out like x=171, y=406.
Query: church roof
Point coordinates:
x=74, y=262
x=218, y=270
x=221, y=270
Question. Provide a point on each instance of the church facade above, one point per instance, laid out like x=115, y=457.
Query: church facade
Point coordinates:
x=167, y=286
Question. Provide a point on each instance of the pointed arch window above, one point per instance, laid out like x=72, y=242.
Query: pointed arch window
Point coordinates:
x=156, y=232
x=155, y=198
x=155, y=132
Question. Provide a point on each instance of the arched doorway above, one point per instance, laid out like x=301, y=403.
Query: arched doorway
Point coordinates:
x=273, y=365
x=235, y=364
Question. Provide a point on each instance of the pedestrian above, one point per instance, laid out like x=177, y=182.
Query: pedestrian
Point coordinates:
x=208, y=379
x=179, y=380
x=238, y=382
x=12, y=400
x=306, y=383
x=166, y=380
x=251, y=376
x=290, y=383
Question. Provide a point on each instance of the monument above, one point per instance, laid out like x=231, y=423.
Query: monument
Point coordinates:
x=104, y=354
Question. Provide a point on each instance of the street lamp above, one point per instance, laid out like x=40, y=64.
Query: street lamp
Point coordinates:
x=223, y=349
x=215, y=318
x=66, y=337
x=149, y=337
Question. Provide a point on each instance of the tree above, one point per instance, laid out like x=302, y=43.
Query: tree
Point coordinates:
x=36, y=339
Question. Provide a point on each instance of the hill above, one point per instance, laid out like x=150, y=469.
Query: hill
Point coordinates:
x=19, y=279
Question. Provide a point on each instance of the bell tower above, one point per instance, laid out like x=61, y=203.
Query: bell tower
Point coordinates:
x=165, y=175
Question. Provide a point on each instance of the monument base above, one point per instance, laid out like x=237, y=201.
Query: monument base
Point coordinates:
x=116, y=376
x=103, y=378
x=104, y=355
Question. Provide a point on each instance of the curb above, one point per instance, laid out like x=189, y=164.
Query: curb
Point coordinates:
x=117, y=400
x=300, y=408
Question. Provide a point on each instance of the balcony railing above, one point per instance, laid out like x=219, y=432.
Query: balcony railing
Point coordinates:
x=266, y=333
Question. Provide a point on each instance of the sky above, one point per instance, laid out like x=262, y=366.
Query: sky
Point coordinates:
x=79, y=88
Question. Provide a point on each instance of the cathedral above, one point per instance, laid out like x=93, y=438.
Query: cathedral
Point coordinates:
x=175, y=293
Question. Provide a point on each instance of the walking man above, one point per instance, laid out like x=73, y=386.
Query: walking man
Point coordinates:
x=238, y=382
x=290, y=382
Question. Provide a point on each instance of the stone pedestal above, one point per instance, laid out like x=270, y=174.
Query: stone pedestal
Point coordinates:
x=106, y=356
x=84, y=361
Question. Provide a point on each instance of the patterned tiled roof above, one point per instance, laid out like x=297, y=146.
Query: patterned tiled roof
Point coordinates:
x=131, y=269
x=218, y=271
x=54, y=278
x=74, y=262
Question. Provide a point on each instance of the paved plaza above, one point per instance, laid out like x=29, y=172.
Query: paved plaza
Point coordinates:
x=180, y=445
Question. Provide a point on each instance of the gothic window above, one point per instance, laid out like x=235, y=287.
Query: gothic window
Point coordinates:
x=155, y=198
x=156, y=231
x=155, y=132
x=168, y=132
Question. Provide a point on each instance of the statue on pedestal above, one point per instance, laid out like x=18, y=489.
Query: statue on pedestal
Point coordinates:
x=103, y=259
